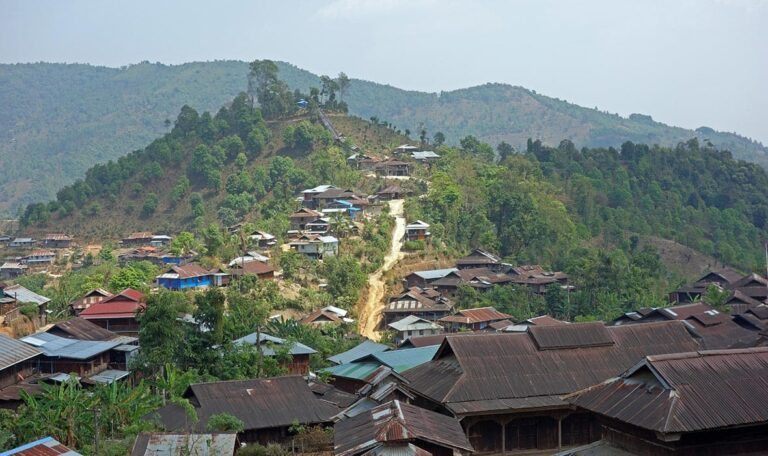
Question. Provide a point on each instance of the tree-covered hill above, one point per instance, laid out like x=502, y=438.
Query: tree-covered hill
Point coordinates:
x=58, y=120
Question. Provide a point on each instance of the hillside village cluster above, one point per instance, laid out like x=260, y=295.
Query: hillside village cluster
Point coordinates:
x=685, y=379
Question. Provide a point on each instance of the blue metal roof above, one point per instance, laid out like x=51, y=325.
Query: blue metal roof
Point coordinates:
x=60, y=347
x=361, y=351
x=435, y=273
x=408, y=358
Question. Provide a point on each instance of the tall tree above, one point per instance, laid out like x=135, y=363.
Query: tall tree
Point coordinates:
x=343, y=82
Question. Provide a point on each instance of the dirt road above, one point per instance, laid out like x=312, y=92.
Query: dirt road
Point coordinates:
x=370, y=313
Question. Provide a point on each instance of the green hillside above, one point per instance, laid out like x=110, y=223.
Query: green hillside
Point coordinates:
x=57, y=120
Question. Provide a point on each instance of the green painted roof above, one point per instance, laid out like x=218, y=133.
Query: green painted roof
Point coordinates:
x=357, y=371
x=408, y=358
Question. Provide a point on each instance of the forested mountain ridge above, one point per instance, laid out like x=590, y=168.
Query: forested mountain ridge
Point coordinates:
x=57, y=120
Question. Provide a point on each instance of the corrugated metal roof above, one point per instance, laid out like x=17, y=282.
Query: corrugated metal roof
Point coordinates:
x=43, y=447
x=61, y=347
x=356, y=371
x=14, y=351
x=401, y=423
x=259, y=403
x=23, y=295
x=495, y=367
x=407, y=358
x=108, y=376
x=113, y=309
x=593, y=334
x=79, y=328
x=413, y=323
x=686, y=392
x=296, y=349
x=434, y=273
x=360, y=351
x=167, y=444
x=481, y=314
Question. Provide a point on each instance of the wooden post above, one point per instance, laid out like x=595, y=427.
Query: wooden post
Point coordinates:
x=559, y=432
x=503, y=438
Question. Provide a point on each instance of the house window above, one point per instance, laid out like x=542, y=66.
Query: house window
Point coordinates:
x=421, y=332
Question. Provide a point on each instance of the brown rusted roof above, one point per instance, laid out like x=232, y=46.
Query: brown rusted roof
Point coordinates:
x=396, y=423
x=330, y=393
x=392, y=189
x=479, y=256
x=305, y=212
x=189, y=270
x=481, y=314
x=489, y=371
x=319, y=315
x=259, y=403
x=545, y=320
x=253, y=267
x=139, y=235
x=686, y=392
x=81, y=329
x=584, y=335
x=727, y=275
x=751, y=280
x=43, y=447
x=427, y=299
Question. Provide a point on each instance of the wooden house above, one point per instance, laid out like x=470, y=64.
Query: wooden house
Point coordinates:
x=84, y=358
x=316, y=247
x=413, y=326
x=191, y=276
x=22, y=243
x=299, y=363
x=300, y=218
x=425, y=156
x=263, y=240
x=424, y=279
x=507, y=388
x=57, y=241
x=137, y=239
x=118, y=312
x=12, y=269
x=479, y=258
x=89, y=298
x=39, y=257
x=390, y=192
x=417, y=231
x=392, y=167
x=691, y=403
x=257, y=268
x=426, y=303
x=16, y=361
x=473, y=319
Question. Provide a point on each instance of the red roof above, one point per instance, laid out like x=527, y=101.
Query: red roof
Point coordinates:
x=129, y=294
x=113, y=309
x=469, y=316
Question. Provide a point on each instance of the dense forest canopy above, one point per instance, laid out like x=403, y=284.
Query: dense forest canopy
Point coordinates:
x=57, y=120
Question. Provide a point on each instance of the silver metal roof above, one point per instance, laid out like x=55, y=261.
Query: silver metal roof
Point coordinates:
x=23, y=295
x=296, y=349
x=108, y=376
x=60, y=347
x=155, y=444
x=14, y=351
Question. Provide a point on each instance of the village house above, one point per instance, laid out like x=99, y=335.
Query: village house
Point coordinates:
x=85, y=301
x=321, y=225
x=480, y=279
x=423, y=279
x=522, y=326
x=506, y=409
x=22, y=242
x=706, y=402
x=316, y=247
x=426, y=303
x=391, y=192
x=81, y=329
x=361, y=377
x=248, y=257
x=744, y=290
x=170, y=444
x=268, y=407
x=327, y=197
x=303, y=216
x=425, y=156
x=715, y=330
x=413, y=326
x=137, y=239
x=57, y=241
x=118, y=312
x=472, y=319
x=257, y=268
x=263, y=240
x=299, y=363
x=404, y=149
x=5, y=239
x=191, y=276
x=15, y=362
x=392, y=167
x=402, y=429
x=322, y=318
x=479, y=258
x=417, y=231
x=12, y=269
x=84, y=358
x=160, y=240
x=39, y=257
x=361, y=162
x=19, y=296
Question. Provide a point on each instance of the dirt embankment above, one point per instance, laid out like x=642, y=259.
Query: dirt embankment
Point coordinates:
x=370, y=311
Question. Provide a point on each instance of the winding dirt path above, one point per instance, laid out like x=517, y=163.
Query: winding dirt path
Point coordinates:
x=370, y=312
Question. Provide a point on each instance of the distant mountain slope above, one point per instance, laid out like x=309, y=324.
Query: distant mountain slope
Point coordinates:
x=58, y=120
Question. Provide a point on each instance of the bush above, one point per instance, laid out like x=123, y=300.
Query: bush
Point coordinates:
x=29, y=310
x=413, y=246
x=150, y=204
x=224, y=422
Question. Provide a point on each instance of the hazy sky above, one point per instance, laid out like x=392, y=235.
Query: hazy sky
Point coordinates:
x=687, y=63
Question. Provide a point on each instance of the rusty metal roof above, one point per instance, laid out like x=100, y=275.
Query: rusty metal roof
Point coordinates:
x=330, y=393
x=686, y=392
x=481, y=371
x=43, y=447
x=470, y=316
x=259, y=403
x=397, y=423
x=557, y=337
x=168, y=444
x=82, y=329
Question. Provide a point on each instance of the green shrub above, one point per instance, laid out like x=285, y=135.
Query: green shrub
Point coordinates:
x=413, y=246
